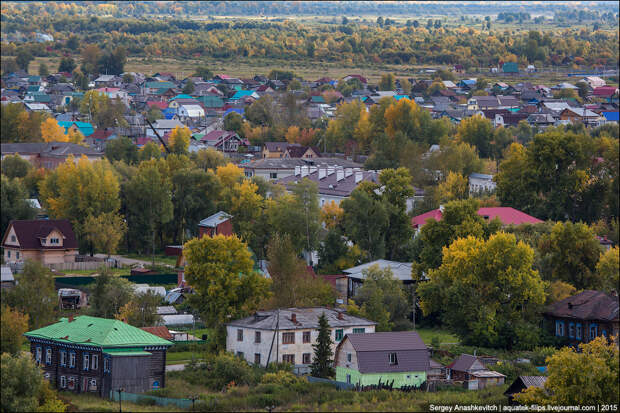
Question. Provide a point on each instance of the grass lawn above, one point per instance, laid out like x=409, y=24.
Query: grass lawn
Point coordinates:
x=159, y=258
x=113, y=271
x=93, y=403
x=445, y=337
x=182, y=357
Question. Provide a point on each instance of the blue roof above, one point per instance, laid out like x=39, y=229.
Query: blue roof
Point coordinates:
x=181, y=96
x=611, y=116
x=169, y=113
x=399, y=97
x=240, y=111
x=241, y=94
x=86, y=128
x=469, y=81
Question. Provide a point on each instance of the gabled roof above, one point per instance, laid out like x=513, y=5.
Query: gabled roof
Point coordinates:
x=159, y=331
x=215, y=220
x=29, y=232
x=373, y=351
x=97, y=331
x=85, y=128
x=464, y=362
x=587, y=305
x=507, y=215
x=401, y=270
x=306, y=318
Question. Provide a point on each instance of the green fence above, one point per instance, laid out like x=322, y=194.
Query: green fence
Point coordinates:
x=151, y=279
x=145, y=399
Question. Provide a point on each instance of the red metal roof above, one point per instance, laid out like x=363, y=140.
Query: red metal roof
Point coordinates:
x=508, y=216
x=159, y=331
x=604, y=91
x=161, y=105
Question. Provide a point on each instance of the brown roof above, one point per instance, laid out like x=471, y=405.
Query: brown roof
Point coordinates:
x=29, y=232
x=373, y=351
x=587, y=305
x=159, y=331
x=463, y=363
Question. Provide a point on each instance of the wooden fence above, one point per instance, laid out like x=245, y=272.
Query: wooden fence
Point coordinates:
x=79, y=266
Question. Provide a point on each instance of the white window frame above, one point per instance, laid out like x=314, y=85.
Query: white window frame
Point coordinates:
x=48, y=355
x=393, y=359
x=63, y=358
x=63, y=382
x=95, y=362
x=85, y=361
x=72, y=358
x=37, y=354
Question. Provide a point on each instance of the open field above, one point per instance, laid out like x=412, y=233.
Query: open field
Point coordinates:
x=445, y=337
x=92, y=403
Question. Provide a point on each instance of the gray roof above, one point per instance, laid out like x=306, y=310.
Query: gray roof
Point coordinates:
x=7, y=274
x=291, y=163
x=177, y=319
x=401, y=270
x=481, y=176
x=463, y=363
x=167, y=124
x=48, y=149
x=329, y=185
x=373, y=351
x=166, y=310
x=534, y=381
x=215, y=220
x=306, y=318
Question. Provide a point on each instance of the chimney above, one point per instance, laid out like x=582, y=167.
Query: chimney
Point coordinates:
x=322, y=173
x=71, y=318
x=304, y=171
x=297, y=170
x=340, y=174
x=340, y=316
x=330, y=170
x=359, y=175
x=348, y=172
x=294, y=317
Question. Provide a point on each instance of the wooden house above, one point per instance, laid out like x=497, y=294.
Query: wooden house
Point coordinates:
x=217, y=224
x=97, y=355
x=473, y=373
x=522, y=383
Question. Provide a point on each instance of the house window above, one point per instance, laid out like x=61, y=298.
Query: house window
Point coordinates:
x=593, y=331
x=95, y=362
x=71, y=383
x=571, y=330
x=63, y=358
x=8, y=254
x=106, y=364
x=240, y=354
x=93, y=385
x=273, y=175
x=72, y=359
x=13, y=238
x=306, y=337
x=559, y=328
x=349, y=357
x=257, y=337
x=349, y=378
x=239, y=335
x=288, y=338
x=306, y=358
x=54, y=241
x=47, y=376
x=256, y=358
x=17, y=255
x=339, y=334
x=578, y=334
x=288, y=358
x=359, y=330
x=37, y=355
x=63, y=382
x=393, y=359
x=86, y=361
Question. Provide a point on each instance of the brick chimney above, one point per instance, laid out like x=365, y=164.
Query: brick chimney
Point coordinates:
x=339, y=174
x=348, y=172
x=304, y=171
x=294, y=317
x=322, y=173
x=70, y=318
x=340, y=316
x=359, y=175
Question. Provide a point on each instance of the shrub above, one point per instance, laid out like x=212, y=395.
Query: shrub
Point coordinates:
x=283, y=377
x=220, y=371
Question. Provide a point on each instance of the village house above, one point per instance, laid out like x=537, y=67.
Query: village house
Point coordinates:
x=272, y=169
x=481, y=183
x=7, y=280
x=97, y=355
x=367, y=359
x=287, y=335
x=49, y=155
x=219, y=223
x=355, y=275
x=522, y=383
x=473, y=373
x=583, y=317
x=42, y=240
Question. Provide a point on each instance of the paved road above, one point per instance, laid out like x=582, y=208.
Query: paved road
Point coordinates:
x=130, y=261
x=175, y=367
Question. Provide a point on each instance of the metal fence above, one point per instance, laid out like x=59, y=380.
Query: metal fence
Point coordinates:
x=154, y=400
x=340, y=385
x=79, y=266
x=151, y=279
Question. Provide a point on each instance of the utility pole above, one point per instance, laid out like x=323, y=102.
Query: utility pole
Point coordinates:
x=413, y=287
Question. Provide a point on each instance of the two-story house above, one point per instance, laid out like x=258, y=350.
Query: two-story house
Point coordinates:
x=42, y=240
x=287, y=335
x=91, y=354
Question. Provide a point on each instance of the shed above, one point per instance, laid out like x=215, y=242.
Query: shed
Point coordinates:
x=524, y=382
x=510, y=67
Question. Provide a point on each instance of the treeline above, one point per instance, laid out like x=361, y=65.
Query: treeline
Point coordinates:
x=351, y=43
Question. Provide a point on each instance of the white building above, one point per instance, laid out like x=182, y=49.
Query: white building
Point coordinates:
x=287, y=335
x=190, y=112
x=481, y=183
x=276, y=168
x=163, y=126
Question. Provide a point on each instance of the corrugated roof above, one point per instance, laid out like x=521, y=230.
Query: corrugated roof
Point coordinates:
x=533, y=381
x=305, y=318
x=393, y=340
x=401, y=270
x=215, y=219
x=587, y=305
x=97, y=331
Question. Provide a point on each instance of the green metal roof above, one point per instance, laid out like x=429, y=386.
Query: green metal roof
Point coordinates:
x=97, y=331
x=160, y=85
x=126, y=352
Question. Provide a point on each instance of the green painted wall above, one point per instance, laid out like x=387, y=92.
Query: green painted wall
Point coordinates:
x=400, y=379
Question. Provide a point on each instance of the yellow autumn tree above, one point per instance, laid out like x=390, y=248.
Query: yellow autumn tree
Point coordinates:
x=75, y=136
x=105, y=231
x=246, y=206
x=229, y=174
x=363, y=131
x=331, y=214
x=292, y=134
x=52, y=132
x=79, y=189
x=454, y=187
x=178, y=142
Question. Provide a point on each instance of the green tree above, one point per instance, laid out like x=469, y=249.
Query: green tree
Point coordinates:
x=203, y=72
x=109, y=294
x=583, y=89
x=121, y=148
x=387, y=82
x=492, y=284
x=567, y=385
x=150, y=150
x=23, y=387
x=34, y=294
x=502, y=138
x=14, y=166
x=15, y=204
x=105, y=231
x=23, y=59
x=154, y=113
x=322, y=362
x=13, y=325
x=383, y=299
x=233, y=122
x=570, y=253
x=365, y=221
x=262, y=111
x=208, y=159
x=477, y=131
x=607, y=269
x=43, y=70
x=9, y=65
x=220, y=269
x=141, y=311
x=189, y=87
